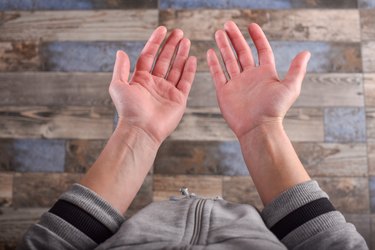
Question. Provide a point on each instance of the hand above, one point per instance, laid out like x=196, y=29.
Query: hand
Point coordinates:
x=154, y=100
x=254, y=95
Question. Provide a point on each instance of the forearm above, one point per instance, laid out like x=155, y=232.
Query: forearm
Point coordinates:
x=119, y=172
x=271, y=160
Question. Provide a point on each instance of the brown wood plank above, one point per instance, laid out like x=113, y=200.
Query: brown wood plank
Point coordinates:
x=47, y=88
x=207, y=124
x=370, y=124
x=369, y=87
x=75, y=25
x=19, y=56
x=371, y=157
x=301, y=24
x=348, y=194
x=367, y=24
x=40, y=189
x=6, y=189
x=166, y=186
x=56, y=122
x=333, y=159
x=368, y=57
x=241, y=189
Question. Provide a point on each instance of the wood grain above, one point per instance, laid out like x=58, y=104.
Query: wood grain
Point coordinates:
x=207, y=124
x=368, y=57
x=56, y=122
x=241, y=189
x=40, y=189
x=348, y=194
x=75, y=25
x=54, y=88
x=370, y=124
x=333, y=159
x=367, y=24
x=371, y=157
x=6, y=189
x=20, y=56
x=369, y=88
x=166, y=186
x=301, y=25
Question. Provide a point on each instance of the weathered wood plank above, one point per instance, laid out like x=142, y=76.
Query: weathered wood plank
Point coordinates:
x=345, y=124
x=241, y=189
x=367, y=24
x=167, y=186
x=75, y=4
x=370, y=124
x=372, y=193
x=318, y=90
x=56, y=122
x=326, y=57
x=264, y=4
x=368, y=57
x=366, y=4
x=348, y=194
x=101, y=25
x=6, y=189
x=371, y=157
x=369, y=87
x=200, y=157
x=86, y=56
x=20, y=56
x=40, y=189
x=32, y=155
x=45, y=88
x=207, y=124
x=333, y=159
x=302, y=24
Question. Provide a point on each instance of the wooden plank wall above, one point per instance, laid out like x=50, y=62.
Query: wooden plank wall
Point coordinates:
x=56, y=59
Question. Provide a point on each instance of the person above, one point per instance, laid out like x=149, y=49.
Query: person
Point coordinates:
x=253, y=101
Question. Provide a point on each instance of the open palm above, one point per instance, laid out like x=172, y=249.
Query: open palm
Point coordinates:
x=254, y=95
x=154, y=100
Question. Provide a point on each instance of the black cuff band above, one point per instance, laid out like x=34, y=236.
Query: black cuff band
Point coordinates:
x=301, y=215
x=81, y=220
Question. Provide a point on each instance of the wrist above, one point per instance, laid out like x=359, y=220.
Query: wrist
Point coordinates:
x=263, y=129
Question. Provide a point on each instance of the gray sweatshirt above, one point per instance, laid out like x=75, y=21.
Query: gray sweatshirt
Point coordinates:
x=300, y=218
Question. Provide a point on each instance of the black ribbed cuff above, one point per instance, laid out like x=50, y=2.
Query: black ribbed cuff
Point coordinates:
x=301, y=215
x=81, y=220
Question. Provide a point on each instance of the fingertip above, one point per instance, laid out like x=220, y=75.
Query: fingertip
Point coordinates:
x=161, y=29
x=178, y=32
x=218, y=33
x=229, y=23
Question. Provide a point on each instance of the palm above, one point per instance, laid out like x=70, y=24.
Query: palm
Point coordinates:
x=150, y=102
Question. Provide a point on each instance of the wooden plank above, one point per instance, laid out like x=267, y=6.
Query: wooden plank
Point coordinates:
x=167, y=186
x=207, y=124
x=301, y=25
x=241, y=189
x=265, y=4
x=366, y=4
x=333, y=159
x=348, y=194
x=369, y=87
x=370, y=124
x=76, y=4
x=56, y=122
x=47, y=88
x=368, y=57
x=40, y=189
x=6, y=189
x=200, y=157
x=345, y=124
x=87, y=56
x=326, y=57
x=372, y=221
x=371, y=157
x=367, y=24
x=318, y=90
x=75, y=25
x=372, y=193
x=20, y=56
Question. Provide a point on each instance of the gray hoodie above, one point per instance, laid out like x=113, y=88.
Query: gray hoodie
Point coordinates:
x=300, y=218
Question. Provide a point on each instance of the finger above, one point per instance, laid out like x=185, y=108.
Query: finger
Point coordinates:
x=122, y=67
x=148, y=54
x=297, y=70
x=179, y=61
x=265, y=54
x=227, y=54
x=216, y=70
x=188, y=74
x=240, y=45
x=164, y=59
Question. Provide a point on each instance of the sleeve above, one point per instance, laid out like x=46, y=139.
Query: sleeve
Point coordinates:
x=303, y=218
x=80, y=219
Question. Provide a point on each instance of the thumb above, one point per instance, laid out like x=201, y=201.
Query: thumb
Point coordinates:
x=297, y=70
x=122, y=67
